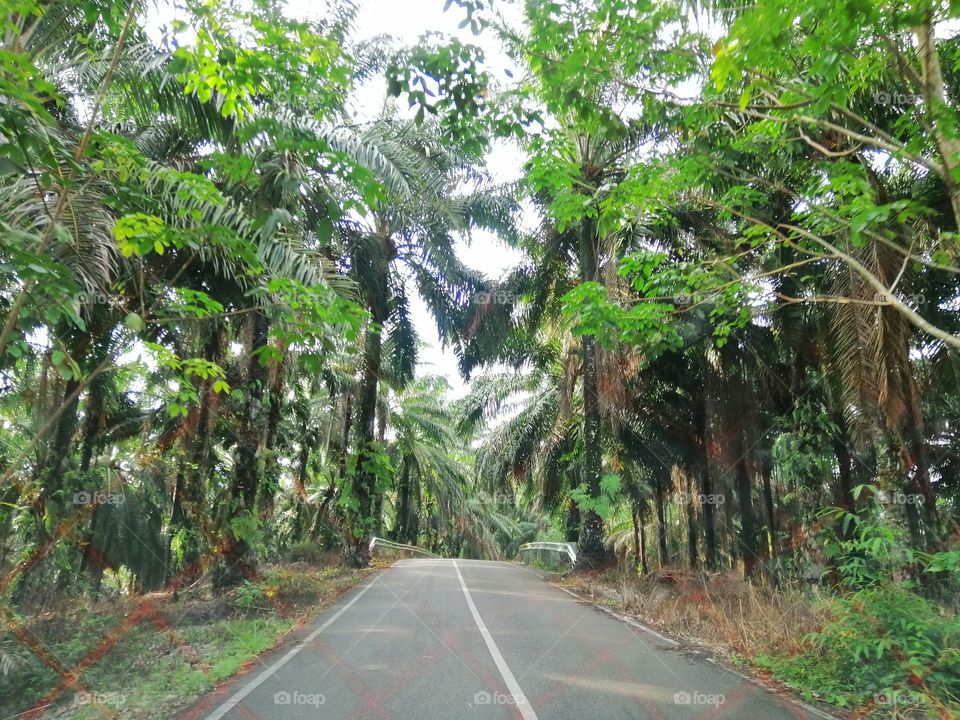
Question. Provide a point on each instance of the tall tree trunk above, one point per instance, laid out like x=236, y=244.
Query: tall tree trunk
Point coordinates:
x=766, y=471
x=771, y=549
x=691, y=522
x=250, y=440
x=748, y=528
x=659, y=497
x=195, y=448
x=572, y=533
x=841, y=450
x=413, y=533
x=373, y=266
x=271, y=466
x=709, y=515
x=344, y=450
x=62, y=444
x=91, y=426
x=738, y=429
x=403, y=509
x=364, y=481
x=920, y=484
x=376, y=514
x=707, y=489
x=89, y=562
x=639, y=541
x=940, y=115
x=592, y=550
x=642, y=524
x=300, y=486
x=249, y=456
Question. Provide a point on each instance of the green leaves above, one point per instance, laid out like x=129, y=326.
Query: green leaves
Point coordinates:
x=646, y=324
x=134, y=322
x=312, y=319
x=237, y=59
x=444, y=77
x=140, y=233
x=610, y=485
x=67, y=367
x=187, y=372
x=196, y=303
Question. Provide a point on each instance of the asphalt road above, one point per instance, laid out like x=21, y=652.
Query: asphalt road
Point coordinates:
x=443, y=639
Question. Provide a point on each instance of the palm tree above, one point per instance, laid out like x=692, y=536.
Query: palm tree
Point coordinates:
x=428, y=453
x=407, y=237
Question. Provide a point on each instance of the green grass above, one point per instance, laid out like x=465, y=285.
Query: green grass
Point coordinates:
x=157, y=669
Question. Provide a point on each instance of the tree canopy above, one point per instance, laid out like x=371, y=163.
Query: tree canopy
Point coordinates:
x=731, y=342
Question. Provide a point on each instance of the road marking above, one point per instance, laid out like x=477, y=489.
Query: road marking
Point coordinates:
x=526, y=711
x=235, y=699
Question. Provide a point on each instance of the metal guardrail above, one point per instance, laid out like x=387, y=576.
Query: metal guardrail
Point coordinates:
x=569, y=548
x=398, y=546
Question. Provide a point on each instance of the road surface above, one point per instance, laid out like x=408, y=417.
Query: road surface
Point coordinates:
x=446, y=639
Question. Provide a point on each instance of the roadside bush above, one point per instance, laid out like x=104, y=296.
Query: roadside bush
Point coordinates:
x=312, y=553
x=884, y=645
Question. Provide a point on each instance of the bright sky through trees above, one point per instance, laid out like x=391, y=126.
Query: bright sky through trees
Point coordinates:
x=407, y=20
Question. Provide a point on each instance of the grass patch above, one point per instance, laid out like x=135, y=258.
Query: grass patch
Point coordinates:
x=172, y=651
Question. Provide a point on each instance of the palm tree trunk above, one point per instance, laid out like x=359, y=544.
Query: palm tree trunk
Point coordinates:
x=920, y=483
x=373, y=261
x=364, y=481
x=413, y=532
x=250, y=435
x=573, y=522
x=748, y=528
x=709, y=513
x=91, y=427
x=403, y=511
x=250, y=442
x=271, y=465
x=62, y=440
x=642, y=525
x=639, y=558
x=766, y=471
x=300, y=487
x=939, y=114
x=659, y=498
x=691, y=524
x=344, y=450
x=592, y=550
x=705, y=418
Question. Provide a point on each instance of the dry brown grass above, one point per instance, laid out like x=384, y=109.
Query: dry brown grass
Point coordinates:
x=717, y=610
